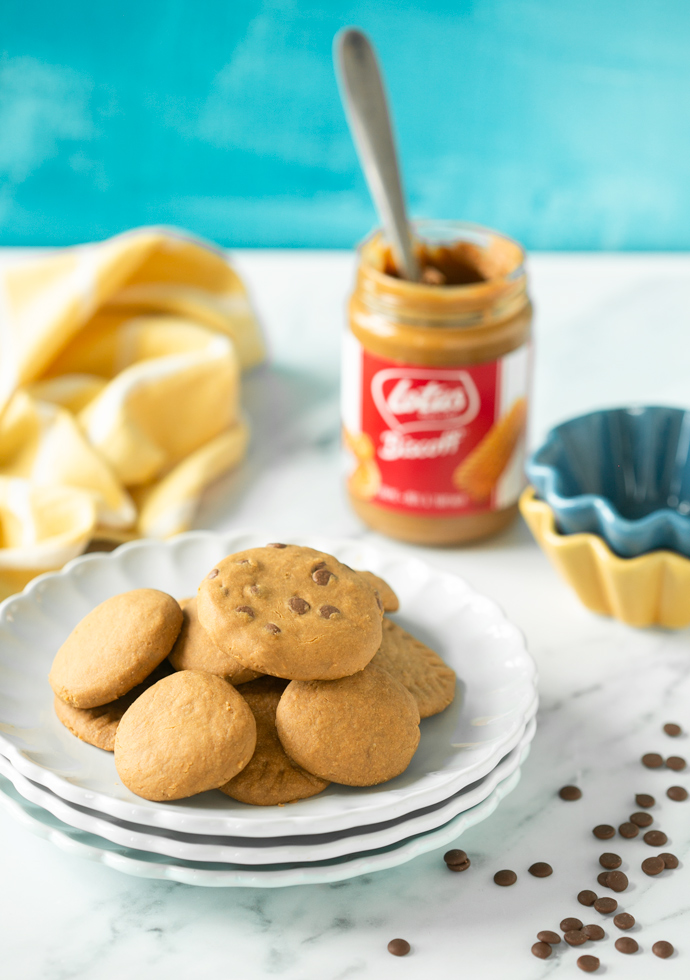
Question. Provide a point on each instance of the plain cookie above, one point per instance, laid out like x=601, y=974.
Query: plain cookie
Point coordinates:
x=430, y=681
x=98, y=726
x=115, y=647
x=270, y=777
x=388, y=597
x=360, y=730
x=291, y=612
x=188, y=733
x=195, y=650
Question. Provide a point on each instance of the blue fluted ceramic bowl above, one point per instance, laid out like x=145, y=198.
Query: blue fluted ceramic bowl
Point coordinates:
x=622, y=473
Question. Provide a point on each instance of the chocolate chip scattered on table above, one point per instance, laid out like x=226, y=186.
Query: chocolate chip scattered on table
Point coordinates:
x=588, y=963
x=652, y=760
x=662, y=949
x=540, y=869
x=641, y=819
x=672, y=729
x=567, y=925
x=456, y=860
x=677, y=793
x=617, y=881
x=628, y=830
x=594, y=932
x=575, y=937
x=587, y=897
x=548, y=936
x=399, y=947
x=570, y=793
x=505, y=878
x=603, y=831
x=541, y=950
x=653, y=866
x=606, y=905
x=645, y=800
x=655, y=838
x=624, y=920
x=626, y=944
x=676, y=762
x=670, y=860
x=609, y=860
x=601, y=878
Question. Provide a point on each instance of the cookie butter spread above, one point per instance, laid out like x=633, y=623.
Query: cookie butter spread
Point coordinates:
x=435, y=378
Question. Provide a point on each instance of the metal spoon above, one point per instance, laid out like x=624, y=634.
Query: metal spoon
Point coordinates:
x=364, y=99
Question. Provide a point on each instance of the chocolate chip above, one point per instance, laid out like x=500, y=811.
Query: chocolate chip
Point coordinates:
x=676, y=762
x=672, y=729
x=641, y=819
x=670, y=860
x=567, y=925
x=588, y=963
x=298, y=605
x=570, y=793
x=603, y=831
x=247, y=610
x=626, y=944
x=575, y=937
x=399, y=947
x=652, y=760
x=272, y=628
x=586, y=897
x=318, y=565
x=628, y=830
x=276, y=544
x=606, y=905
x=594, y=932
x=541, y=950
x=214, y=573
x=225, y=590
x=655, y=838
x=617, y=881
x=255, y=589
x=653, y=866
x=378, y=600
x=243, y=561
x=547, y=936
x=541, y=869
x=322, y=576
x=601, y=878
x=456, y=860
x=644, y=799
x=328, y=611
x=677, y=793
x=505, y=878
x=609, y=861
x=662, y=949
x=624, y=920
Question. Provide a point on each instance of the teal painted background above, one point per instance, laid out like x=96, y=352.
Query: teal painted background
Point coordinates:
x=563, y=122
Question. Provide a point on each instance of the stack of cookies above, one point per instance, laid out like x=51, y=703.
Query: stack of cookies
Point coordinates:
x=280, y=676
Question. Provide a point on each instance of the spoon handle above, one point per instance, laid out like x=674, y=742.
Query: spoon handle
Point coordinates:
x=370, y=124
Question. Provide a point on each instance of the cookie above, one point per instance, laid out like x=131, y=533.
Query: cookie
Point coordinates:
x=195, y=650
x=190, y=732
x=360, y=730
x=115, y=647
x=388, y=596
x=292, y=612
x=270, y=777
x=97, y=726
x=428, y=679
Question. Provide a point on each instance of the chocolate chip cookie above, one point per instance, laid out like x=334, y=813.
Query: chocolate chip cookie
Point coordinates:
x=270, y=777
x=430, y=681
x=360, y=730
x=195, y=650
x=188, y=733
x=291, y=612
x=115, y=647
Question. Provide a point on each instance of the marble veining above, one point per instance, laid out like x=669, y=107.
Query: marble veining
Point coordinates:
x=605, y=692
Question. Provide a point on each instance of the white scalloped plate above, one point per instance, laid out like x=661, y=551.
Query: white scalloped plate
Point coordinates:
x=142, y=864
x=496, y=692
x=305, y=849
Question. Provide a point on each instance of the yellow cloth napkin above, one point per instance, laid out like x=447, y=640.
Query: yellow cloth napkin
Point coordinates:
x=120, y=371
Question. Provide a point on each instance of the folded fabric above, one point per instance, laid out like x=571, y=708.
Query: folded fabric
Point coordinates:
x=120, y=371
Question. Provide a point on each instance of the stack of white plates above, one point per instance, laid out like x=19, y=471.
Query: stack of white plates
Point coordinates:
x=68, y=792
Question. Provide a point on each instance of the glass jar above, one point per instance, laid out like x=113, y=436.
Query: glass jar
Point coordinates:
x=434, y=386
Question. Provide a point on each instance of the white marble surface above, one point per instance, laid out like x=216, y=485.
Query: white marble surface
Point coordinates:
x=610, y=329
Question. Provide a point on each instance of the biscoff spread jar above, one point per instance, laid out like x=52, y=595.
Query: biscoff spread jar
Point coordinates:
x=435, y=384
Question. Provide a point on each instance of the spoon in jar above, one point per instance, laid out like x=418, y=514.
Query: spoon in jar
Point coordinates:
x=364, y=99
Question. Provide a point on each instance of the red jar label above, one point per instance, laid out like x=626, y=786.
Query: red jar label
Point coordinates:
x=435, y=441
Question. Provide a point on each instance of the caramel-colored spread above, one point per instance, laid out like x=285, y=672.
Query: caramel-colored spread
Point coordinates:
x=470, y=309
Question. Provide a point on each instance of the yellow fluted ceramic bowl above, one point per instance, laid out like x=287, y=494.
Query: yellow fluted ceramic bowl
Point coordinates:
x=650, y=590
